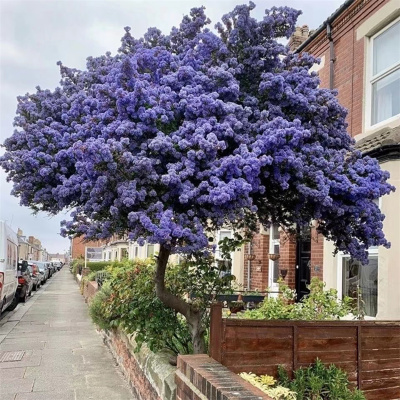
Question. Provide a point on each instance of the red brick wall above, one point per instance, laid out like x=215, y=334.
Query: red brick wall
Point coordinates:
x=317, y=254
x=200, y=377
x=287, y=260
x=349, y=63
x=79, y=244
x=138, y=381
x=89, y=290
x=259, y=267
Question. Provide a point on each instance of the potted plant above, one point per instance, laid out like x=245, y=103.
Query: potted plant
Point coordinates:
x=253, y=297
x=228, y=297
x=236, y=306
x=274, y=257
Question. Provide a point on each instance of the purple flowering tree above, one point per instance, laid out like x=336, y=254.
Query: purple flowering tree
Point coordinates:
x=178, y=135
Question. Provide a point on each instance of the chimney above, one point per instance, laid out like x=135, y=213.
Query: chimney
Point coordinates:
x=299, y=36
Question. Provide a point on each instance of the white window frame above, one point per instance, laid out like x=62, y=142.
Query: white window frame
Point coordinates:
x=370, y=80
x=273, y=286
x=218, y=251
x=371, y=252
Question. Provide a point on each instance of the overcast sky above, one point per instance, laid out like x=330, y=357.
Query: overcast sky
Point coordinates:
x=36, y=34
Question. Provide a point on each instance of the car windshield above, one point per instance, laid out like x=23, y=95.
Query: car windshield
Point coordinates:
x=40, y=266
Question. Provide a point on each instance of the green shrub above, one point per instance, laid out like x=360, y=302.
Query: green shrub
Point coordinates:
x=319, y=382
x=319, y=304
x=128, y=300
x=100, y=314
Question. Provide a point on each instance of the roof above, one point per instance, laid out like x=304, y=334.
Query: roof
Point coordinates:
x=380, y=141
x=330, y=19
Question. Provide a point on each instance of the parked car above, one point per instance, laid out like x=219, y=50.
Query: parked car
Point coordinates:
x=35, y=275
x=8, y=267
x=58, y=265
x=43, y=270
x=52, y=268
x=25, y=281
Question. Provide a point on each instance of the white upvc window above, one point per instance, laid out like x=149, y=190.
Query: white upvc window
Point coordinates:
x=360, y=282
x=150, y=250
x=383, y=88
x=227, y=264
x=274, y=248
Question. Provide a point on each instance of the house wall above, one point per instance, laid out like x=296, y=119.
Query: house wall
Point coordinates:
x=350, y=53
x=259, y=267
x=351, y=31
x=78, y=245
x=388, y=261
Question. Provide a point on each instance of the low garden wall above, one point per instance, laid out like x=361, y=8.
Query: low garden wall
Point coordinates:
x=199, y=377
x=89, y=290
x=150, y=375
x=368, y=350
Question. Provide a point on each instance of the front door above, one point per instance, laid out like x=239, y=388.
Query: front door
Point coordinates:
x=303, y=262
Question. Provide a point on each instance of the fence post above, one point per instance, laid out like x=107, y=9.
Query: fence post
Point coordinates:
x=216, y=332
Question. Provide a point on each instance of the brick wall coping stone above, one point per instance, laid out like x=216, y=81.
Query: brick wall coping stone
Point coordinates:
x=143, y=366
x=200, y=377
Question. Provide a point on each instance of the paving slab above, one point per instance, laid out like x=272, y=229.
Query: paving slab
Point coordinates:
x=14, y=385
x=104, y=393
x=66, y=395
x=65, y=358
x=8, y=396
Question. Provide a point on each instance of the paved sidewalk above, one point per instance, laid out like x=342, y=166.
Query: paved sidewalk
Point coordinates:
x=64, y=357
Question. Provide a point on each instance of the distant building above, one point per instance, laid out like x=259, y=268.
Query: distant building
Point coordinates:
x=29, y=249
x=57, y=257
x=78, y=245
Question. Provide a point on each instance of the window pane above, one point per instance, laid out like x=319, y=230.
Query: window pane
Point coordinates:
x=386, y=97
x=275, y=232
x=225, y=234
x=150, y=250
x=387, y=49
x=363, y=278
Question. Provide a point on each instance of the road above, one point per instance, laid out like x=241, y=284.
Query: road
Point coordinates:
x=58, y=353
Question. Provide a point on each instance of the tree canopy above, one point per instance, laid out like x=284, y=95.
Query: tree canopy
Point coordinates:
x=179, y=134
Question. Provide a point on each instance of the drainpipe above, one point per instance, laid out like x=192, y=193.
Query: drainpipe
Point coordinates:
x=332, y=58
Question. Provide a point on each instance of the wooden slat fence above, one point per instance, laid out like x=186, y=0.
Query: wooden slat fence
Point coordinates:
x=368, y=350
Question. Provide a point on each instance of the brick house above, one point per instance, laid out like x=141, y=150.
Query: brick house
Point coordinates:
x=78, y=245
x=359, y=48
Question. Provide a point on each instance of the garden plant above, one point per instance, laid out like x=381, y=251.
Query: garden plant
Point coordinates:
x=316, y=382
x=180, y=134
x=319, y=304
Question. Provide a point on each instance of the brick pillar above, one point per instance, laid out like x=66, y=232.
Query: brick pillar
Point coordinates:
x=287, y=260
x=259, y=267
x=317, y=254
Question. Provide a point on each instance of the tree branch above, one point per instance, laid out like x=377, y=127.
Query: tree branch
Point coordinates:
x=163, y=294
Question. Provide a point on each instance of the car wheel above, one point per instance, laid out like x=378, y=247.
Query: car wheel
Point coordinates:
x=14, y=304
x=30, y=293
x=35, y=287
x=25, y=298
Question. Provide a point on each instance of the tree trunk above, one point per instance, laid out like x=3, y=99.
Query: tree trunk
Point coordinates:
x=197, y=331
x=192, y=316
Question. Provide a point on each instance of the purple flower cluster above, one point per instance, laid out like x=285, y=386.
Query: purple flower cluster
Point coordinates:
x=183, y=133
